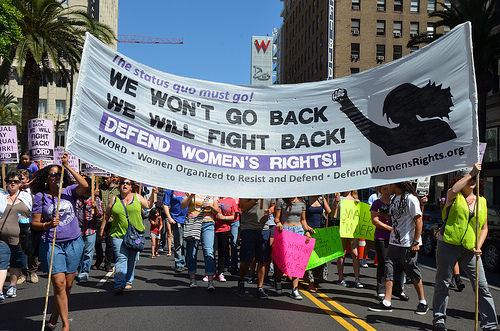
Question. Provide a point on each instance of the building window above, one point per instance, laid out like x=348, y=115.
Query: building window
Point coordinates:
x=414, y=6
x=397, y=52
x=398, y=29
x=356, y=5
x=42, y=106
x=60, y=107
x=447, y=4
x=380, y=5
x=61, y=137
x=43, y=80
x=355, y=24
x=380, y=53
x=354, y=52
x=431, y=6
x=414, y=29
x=413, y=49
x=398, y=5
x=491, y=152
x=380, y=28
x=446, y=28
x=431, y=29
x=62, y=81
x=354, y=71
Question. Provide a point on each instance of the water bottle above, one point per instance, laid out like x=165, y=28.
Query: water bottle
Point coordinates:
x=22, y=219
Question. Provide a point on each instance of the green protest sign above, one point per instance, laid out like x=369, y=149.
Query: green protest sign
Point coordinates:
x=356, y=220
x=328, y=246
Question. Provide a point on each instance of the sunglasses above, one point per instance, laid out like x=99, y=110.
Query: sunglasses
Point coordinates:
x=13, y=181
x=54, y=174
x=126, y=183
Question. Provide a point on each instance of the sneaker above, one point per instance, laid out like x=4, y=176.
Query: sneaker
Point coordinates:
x=295, y=294
x=342, y=283
x=402, y=296
x=261, y=294
x=380, y=296
x=439, y=327
x=2, y=298
x=205, y=279
x=363, y=263
x=268, y=281
x=271, y=267
x=381, y=307
x=421, y=309
x=278, y=288
x=21, y=280
x=160, y=249
x=358, y=284
x=211, y=286
x=192, y=283
x=252, y=279
x=179, y=269
x=221, y=278
x=11, y=292
x=241, y=288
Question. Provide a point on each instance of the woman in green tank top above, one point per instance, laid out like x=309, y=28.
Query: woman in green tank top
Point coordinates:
x=124, y=257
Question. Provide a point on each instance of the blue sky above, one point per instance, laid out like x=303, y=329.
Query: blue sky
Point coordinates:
x=217, y=35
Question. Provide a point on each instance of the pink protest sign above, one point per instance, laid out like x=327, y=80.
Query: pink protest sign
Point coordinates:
x=72, y=160
x=88, y=169
x=291, y=253
x=41, y=139
x=8, y=144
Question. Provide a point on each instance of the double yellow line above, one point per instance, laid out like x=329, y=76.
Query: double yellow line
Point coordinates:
x=335, y=315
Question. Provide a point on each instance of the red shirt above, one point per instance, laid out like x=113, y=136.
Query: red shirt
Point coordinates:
x=228, y=206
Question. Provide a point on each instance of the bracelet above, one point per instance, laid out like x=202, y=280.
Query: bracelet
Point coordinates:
x=277, y=222
x=43, y=225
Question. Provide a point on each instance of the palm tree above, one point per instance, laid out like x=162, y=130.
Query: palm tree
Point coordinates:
x=485, y=41
x=53, y=41
x=10, y=113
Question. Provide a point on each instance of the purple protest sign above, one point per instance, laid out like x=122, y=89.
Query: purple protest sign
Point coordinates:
x=291, y=253
x=73, y=161
x=41, y=139
x=8, y=144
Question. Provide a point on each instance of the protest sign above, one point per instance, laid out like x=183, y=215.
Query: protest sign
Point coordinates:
x=87, y=169
x=356, y=220
x=291, y=253
x=41, y=139
x=423, y=185
x=328, y=246
x=73, y=161
x=8, y=144
x=283, y=140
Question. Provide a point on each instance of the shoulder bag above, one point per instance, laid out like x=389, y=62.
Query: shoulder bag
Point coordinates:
x=192, y=225
x=134, y=239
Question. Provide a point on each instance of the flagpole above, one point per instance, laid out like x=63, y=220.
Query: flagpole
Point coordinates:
x=476, y=307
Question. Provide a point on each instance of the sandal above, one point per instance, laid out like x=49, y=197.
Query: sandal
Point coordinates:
x=153, y=256
x=311, y=288
x=128, y=286
x=169, y=254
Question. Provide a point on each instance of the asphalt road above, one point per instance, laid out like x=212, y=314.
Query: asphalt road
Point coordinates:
x=161, y=300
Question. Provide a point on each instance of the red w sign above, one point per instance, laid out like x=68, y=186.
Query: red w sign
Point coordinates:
x=262, y=45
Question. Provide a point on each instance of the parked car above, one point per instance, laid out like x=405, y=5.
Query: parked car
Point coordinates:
x=491, y=246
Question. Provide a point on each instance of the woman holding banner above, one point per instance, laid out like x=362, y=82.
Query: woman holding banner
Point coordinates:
x=14, y=202
x=126, y=206
x=315, y=209
x=291, y=216
x=353, y=243
x=68, y=247
x=457, y=242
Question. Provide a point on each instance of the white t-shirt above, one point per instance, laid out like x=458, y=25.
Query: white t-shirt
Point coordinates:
x=403, y=223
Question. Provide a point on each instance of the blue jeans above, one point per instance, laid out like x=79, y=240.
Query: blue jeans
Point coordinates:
x=207, y=241
x=232, y=261
x=446, y=257
x=88, y=254
x=124, y=263
x=179, y=251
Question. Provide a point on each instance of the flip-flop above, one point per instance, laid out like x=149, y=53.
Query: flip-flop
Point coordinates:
x=153, y=257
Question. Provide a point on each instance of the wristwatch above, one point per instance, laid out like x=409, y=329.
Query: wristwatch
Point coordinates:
x=414, y=243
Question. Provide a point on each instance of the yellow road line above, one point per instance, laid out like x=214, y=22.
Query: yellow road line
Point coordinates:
x=330, y=312
x=346, y=312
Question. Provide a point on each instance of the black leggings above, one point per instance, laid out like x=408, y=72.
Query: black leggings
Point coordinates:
x=222, y=244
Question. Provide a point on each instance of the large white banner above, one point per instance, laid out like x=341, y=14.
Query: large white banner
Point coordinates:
x=410, y=118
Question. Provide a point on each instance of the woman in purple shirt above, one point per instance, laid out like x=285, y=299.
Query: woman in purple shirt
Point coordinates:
x=69, y=245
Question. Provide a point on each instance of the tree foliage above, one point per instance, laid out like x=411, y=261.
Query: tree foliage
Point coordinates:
x=10, y=32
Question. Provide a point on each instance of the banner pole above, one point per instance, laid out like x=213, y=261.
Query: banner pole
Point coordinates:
x=476, y=306
x=92, y=186
x=52, y=252
x=3, y=177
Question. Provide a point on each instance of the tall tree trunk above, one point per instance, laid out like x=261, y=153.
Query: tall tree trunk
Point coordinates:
x=31, y=95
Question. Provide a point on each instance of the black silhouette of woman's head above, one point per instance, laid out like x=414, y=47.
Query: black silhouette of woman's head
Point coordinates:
x=407, y=101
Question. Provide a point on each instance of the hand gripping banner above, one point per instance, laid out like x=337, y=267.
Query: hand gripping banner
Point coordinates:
x=410, y=118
